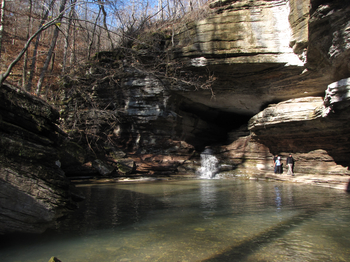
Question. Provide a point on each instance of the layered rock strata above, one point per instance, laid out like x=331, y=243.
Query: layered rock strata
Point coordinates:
x=313, y=129
x=155, y=127
x=270, y=60
x=258, y=60
x=256, y=50
x=34, y=190
x=308, y=129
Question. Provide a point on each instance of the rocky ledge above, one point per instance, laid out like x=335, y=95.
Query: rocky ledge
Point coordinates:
x=261, y=68
x=333, y=181
x=248, y=82
x=34, y=190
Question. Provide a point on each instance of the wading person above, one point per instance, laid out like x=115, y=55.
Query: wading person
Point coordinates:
x=290, y=164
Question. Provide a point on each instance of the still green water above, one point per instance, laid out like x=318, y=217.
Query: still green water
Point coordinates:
x=197, y=220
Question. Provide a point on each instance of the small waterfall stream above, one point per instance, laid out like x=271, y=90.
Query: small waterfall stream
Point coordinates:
x=209, y=164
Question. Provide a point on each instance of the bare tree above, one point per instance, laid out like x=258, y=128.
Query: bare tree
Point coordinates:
x=2, y=19
x=93, y=33
x=160, y=10
x=105, y=22
x=4, y=75
x=52, y=47
x=67, y=38
x=119, y=23
x=25, y=60
x=32, y=67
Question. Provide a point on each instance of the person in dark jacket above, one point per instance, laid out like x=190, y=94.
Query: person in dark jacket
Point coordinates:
x=290, y=163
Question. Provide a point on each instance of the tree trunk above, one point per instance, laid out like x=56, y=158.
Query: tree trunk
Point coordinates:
x=66, y=42
x=93, y=33
x=25, y=62
x=51, y=49
x=2, y=19
x=4, y=75
x=72, y=59
x=105, y=24
x=32, y=67
x=160, y=10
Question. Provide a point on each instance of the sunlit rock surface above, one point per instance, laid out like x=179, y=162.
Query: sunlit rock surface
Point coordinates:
x=271, y=61
x=317, y=132
x=257, y=52
x=282, y=64
x=34, y=191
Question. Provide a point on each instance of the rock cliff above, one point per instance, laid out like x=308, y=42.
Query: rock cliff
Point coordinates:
x=252, y=79
x=34, y=190
x=270, y=61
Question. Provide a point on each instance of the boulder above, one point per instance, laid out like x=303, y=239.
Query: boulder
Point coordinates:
x=71, y=154
x=126, y=166
x=54, y=259
x=102, y=167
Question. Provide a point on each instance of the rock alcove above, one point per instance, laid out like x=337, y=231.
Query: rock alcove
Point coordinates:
x=268, y=77
x=259, y=89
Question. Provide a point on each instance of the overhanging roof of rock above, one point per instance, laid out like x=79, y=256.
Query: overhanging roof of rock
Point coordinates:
x=246, y=46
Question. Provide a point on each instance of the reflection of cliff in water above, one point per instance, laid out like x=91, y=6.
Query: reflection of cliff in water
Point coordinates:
x=123, y=207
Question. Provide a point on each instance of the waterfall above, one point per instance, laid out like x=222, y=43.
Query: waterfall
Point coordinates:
x=209, y=164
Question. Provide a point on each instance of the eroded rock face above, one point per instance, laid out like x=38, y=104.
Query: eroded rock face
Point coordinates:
x=259, y=67
x=270, y=60
x=329, y=44
x=312, y=129
x=257, y=51
x=140, y=117
x=34, y=190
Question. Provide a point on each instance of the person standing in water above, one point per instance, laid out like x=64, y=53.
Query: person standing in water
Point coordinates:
x=290, y=163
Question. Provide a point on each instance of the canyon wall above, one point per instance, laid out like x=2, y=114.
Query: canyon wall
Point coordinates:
x=267, y=61
x=252, y=79
x=34, y=190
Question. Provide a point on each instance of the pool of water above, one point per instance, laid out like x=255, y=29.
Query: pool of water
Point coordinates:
x=196, y=220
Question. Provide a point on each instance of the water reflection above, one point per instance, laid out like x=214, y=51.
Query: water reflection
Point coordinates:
x=278, y=198
x=201, y=220
x=208, y=197
x=107, y=207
